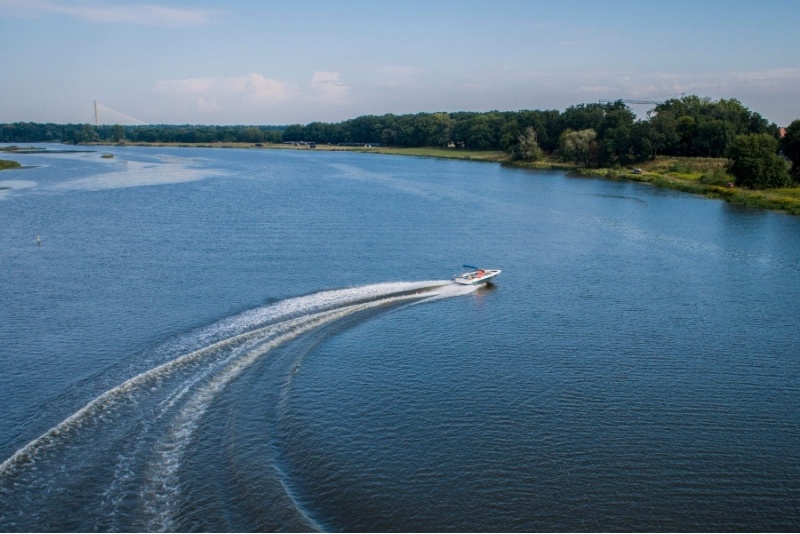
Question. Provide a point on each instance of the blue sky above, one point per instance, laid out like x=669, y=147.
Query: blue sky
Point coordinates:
x=286, y=62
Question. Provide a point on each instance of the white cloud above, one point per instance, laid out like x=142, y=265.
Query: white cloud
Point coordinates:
x=731, y=84
x=258, y=88
x=208, y=105
x=215, y=94
x=770, y=92
x=769, y=79
x=100, y=12
x=328, y=87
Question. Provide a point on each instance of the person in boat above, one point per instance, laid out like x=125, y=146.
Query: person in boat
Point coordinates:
x=481, y=272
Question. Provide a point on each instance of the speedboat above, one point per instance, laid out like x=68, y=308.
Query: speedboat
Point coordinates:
x=476, y=276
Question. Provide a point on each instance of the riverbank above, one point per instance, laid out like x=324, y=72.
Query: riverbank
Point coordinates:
x=703, y=176
x=699, y=176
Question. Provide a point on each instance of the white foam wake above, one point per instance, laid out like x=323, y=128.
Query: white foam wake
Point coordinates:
x=172, y=399
x=245, y=328
x=162, y=490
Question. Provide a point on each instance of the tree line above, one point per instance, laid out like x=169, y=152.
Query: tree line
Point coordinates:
x=30, y=132
x=594, y=135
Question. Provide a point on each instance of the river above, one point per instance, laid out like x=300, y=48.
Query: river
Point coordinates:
x=244, y=340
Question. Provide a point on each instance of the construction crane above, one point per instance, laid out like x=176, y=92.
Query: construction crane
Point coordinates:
x=650, y=112
x=625, y=101
x=636, y=101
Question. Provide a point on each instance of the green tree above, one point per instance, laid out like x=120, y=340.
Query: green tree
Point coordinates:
x=86, y=134
x=584, y=116
x=117, y=133
x=579, y=147
x=528, y=147
x=665, y=133
x=438, y=129
x=686, y=128
x=546, y=124
x=614, y=135
x=294, y=132
x=713, y=137
x=694, y=126
x=252, y=134
x=755, y=163
x=642, y=141
x=790, y=144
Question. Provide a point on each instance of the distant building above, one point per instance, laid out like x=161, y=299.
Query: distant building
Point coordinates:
x=781, y=132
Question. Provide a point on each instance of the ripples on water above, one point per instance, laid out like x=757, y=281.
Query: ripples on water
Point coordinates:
x=140, y=432
x=634, y=368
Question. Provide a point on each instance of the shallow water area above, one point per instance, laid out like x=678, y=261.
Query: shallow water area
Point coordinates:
x=247, y=340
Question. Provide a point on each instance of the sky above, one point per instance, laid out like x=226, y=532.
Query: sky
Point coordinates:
x=294, y=62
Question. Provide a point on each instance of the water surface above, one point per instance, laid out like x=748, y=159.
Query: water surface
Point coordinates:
x=243, y=340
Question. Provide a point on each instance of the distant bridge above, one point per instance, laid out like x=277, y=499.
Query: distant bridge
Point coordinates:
x=106, y=115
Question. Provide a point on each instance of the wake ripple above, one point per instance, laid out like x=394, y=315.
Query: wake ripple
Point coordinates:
x=115, y=464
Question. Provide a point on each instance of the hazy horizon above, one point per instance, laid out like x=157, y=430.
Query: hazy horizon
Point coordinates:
x=256, y=63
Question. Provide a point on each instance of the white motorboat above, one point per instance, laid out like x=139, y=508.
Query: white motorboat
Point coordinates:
x=476, y=276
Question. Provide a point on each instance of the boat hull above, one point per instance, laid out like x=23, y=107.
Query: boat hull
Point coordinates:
x=476, y=278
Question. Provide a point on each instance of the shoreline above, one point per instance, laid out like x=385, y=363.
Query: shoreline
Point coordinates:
x=699, y=176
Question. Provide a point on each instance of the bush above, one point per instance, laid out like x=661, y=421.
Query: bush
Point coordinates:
x=715, y=177
x=755, y=162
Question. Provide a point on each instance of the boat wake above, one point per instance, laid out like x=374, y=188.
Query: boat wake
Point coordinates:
x=119, y=462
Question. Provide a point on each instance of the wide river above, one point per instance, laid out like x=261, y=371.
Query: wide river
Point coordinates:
x=250, y=340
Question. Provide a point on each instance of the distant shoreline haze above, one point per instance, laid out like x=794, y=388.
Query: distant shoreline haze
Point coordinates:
x=597, y=138
x=688, y=126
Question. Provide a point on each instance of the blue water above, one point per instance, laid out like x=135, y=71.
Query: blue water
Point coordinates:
x=248, y=340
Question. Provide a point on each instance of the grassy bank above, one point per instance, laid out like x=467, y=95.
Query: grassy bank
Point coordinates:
x=700, y=176
x=704, y=176
x=8, y=164
x=447, y=153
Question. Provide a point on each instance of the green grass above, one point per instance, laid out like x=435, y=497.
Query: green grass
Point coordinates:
x=769, y=199
x=8, y=164
x=709, y=177
x=697, y=176
x=448, y=153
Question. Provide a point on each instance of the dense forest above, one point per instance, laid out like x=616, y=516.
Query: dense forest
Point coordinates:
x=593, y=135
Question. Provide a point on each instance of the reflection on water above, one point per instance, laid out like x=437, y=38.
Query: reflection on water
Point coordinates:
x=8, y=187
x=134, y=174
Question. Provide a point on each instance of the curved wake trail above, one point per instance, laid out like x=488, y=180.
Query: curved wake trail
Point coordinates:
x=115, y=464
